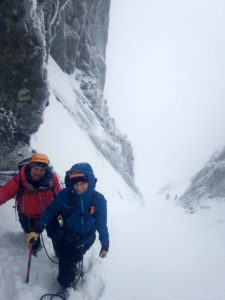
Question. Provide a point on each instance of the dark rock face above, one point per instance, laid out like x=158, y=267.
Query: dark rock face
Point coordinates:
x=23, y=85
x=207, y=184
x=80, y=42
x=75, y=33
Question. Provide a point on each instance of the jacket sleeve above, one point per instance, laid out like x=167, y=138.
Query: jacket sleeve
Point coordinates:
x=10, y=189
x=101, y=223
x=53, y=209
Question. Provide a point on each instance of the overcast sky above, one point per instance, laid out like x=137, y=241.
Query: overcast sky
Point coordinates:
x=165, y=84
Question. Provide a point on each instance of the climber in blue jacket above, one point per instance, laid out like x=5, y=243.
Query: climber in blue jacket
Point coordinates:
x=82, y=211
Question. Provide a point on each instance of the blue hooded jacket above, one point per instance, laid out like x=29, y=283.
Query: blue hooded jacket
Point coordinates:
x=76, y=210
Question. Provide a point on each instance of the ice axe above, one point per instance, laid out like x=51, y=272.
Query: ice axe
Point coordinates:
x=29, y=263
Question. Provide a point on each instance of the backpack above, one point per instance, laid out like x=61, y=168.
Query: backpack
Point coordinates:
x=21, y=187
x=22, y=163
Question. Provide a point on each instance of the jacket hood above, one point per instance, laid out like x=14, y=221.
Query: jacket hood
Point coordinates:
x=86, y=169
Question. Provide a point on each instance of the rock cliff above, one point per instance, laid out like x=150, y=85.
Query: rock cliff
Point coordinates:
x=208, y=184
x=74, y=33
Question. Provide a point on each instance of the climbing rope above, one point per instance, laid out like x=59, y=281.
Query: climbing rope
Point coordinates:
x=60, y=295
x=52, y=260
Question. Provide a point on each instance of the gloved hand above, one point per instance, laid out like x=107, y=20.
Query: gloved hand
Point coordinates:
x=31, y=238
x=103, y=253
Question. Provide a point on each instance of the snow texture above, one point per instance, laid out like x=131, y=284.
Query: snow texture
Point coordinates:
x=157, y=251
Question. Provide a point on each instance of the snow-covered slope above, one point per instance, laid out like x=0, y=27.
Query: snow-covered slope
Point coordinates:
x=207, y=185
x=105, y=136
x=156, y=251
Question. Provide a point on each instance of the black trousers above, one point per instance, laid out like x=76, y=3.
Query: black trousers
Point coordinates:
x=69, y=255
x=29, y=225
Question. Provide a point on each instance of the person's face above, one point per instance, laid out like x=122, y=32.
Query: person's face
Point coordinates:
x=80, y=187
x=36, y=173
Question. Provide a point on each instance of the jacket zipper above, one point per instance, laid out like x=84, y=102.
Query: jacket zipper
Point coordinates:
x=82, y=211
